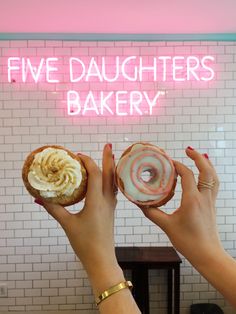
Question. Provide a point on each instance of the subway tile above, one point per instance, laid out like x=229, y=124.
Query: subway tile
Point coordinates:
x=34, y=250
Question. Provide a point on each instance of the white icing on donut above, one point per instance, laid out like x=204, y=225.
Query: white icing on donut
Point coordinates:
x=54, y=173
x=146, y=158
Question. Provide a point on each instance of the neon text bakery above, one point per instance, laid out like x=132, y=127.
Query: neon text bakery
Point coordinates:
x=112, y=85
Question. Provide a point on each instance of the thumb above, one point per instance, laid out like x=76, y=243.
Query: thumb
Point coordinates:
x=157, y=216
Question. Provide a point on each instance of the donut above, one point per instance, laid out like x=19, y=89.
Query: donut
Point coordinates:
x=146, y=175
x=55, y=174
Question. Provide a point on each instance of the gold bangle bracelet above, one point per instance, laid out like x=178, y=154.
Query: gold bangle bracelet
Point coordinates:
x=107, y=293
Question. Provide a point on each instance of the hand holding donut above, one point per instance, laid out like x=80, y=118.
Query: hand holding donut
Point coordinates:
x=91, y=231
x=192, y=227
x=194, y=222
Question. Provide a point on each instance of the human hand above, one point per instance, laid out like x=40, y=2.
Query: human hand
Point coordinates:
x=91, y=231
x=192, y=227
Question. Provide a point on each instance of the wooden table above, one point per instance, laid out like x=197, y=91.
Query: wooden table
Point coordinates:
x=139, y=260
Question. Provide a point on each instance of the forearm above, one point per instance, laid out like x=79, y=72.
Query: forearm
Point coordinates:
x=104, y=272
x=119, y=302
x=220, y=270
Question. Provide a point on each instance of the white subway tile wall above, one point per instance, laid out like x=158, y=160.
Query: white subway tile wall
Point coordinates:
x=36, y=260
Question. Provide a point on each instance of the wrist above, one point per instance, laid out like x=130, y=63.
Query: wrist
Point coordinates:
x=206, y=257
x=103, y=271
x=105, y=276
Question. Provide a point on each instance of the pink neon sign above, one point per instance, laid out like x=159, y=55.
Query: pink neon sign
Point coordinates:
x=26, y=68
x=122, y=70
x=126, y=103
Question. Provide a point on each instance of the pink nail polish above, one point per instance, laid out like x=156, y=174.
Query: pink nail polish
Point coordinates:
x=190, y=148
x=206, y=156
x=39, y=202
x=110, y=145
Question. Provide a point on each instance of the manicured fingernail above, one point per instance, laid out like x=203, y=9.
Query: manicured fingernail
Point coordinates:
x=110, y=145
x=206, y=156
x=39, y=202
x=190, y=147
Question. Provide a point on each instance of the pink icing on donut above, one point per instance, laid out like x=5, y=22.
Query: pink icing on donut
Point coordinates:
x=135, y=174
x=147, y=185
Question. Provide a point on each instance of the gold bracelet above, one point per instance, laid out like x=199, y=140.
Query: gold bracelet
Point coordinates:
x=107, y=293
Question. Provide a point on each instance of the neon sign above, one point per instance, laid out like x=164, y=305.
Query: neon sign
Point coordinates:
x=120, y=70
x=25, y=66
x=126, y=103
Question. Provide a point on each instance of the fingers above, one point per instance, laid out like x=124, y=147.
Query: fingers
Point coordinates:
x=94, y=176
x=108, y=171
x=207, y=172
x=188, y=182
x=216, y=179
x=56, y=211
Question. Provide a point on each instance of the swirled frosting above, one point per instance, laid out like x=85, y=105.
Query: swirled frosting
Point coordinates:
x=141, y=159
x=54, y=173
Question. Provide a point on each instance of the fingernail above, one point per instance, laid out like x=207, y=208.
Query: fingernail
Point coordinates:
x=190, y=147
x=206, y=156
x=110, y=145
x=113, y=156
x=39, y=202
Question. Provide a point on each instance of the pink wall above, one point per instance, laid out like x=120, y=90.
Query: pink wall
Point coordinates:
x=123, y=16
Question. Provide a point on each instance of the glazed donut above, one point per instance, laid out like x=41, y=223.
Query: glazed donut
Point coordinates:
x=140, y=159
x=56, y=175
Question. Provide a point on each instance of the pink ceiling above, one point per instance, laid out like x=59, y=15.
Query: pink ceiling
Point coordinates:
x=120, y=16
